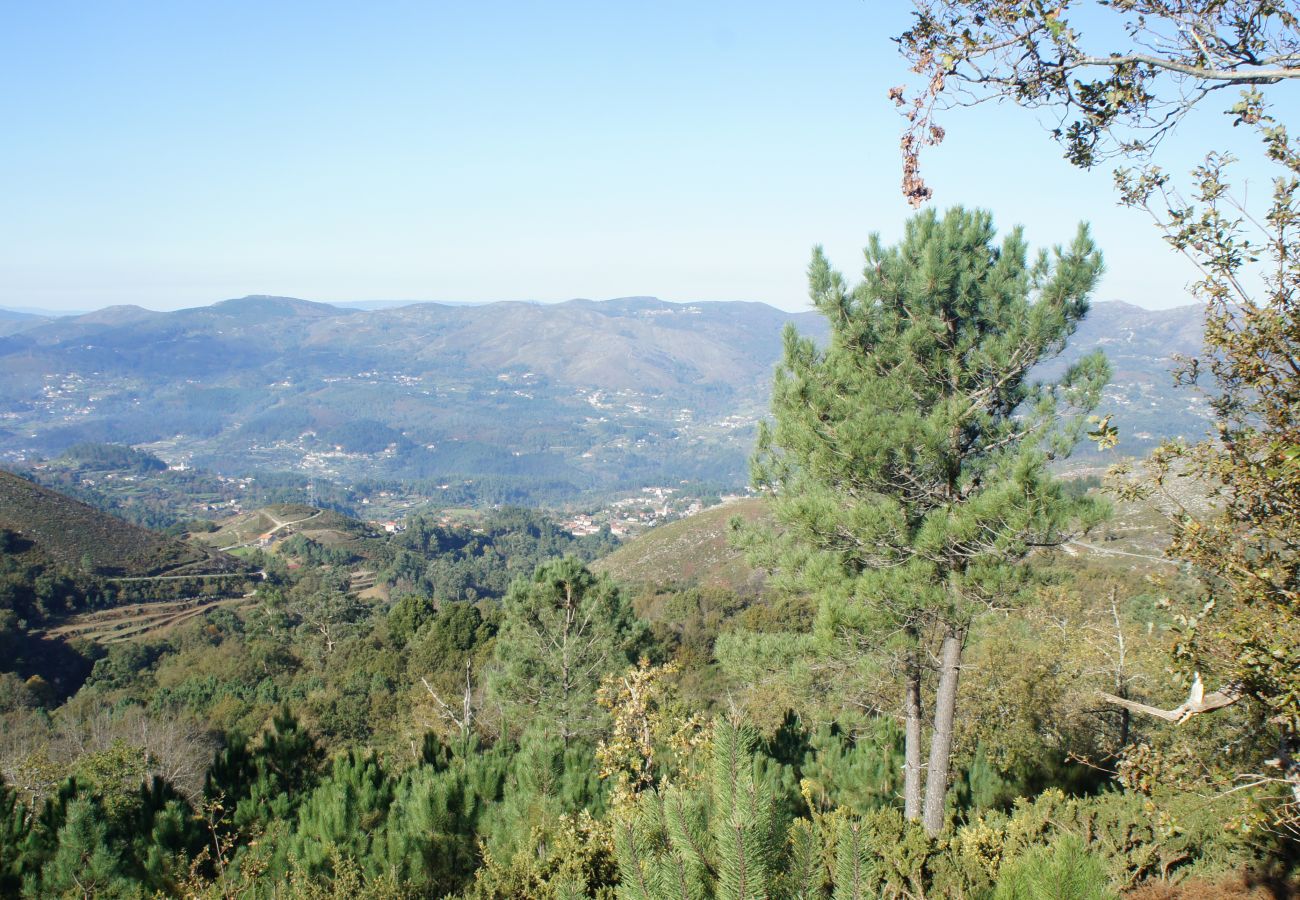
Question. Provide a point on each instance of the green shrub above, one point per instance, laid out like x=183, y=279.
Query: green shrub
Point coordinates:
x=1063, y=870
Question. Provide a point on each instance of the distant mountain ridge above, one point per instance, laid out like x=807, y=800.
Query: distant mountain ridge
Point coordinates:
x=14, y=320
x=648, y=333
x=580, y=395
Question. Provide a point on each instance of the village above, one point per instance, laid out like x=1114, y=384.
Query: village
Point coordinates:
x=625, y=516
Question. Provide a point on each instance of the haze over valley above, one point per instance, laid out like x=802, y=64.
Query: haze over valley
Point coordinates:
x=506, y=402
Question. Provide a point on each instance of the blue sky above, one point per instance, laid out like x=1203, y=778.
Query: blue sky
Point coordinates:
x=174, y=154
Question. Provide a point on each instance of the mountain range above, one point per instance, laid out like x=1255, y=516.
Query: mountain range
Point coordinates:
x=555, y=400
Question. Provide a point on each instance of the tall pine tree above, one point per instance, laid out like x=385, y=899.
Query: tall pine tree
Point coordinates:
x=908, y=459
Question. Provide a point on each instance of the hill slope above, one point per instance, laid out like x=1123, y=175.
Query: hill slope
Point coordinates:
x=71, y=534
x=694, y=551
x=284, y=520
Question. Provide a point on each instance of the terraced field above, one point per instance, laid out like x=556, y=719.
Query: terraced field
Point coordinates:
x=125, y=623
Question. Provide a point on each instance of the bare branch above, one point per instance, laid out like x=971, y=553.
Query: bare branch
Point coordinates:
x=1197, y=702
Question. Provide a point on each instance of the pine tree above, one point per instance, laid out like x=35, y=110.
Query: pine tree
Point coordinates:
x=747, y=833
x=1244, y=635
x=165, y=849
x=17, y=841
x=429, y=838
x=805, y=874
x=162, y=835
x=726, y=843
x=343, y=816
x=1061, y=871
x=546, y=780
x=735, y=836
x=256, y=784
x=83, y=865
x=854, y=863
x=908, y=459
x=564, y=630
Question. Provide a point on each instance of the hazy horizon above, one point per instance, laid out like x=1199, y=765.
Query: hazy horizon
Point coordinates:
x=378, y=305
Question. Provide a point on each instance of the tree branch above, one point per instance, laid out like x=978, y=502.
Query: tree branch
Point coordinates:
x=1233, y=76
x=1197, y=702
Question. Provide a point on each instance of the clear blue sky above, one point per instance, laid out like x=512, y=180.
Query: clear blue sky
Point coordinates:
x=174, y=154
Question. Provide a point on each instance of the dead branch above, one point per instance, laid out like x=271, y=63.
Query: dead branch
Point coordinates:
x=1197, y=702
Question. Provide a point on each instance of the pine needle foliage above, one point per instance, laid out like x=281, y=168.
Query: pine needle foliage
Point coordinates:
x=744, y=827
x=255, y=784
x=428, y=842
x=854, y=863
x=16, y=840
x=736, y=838
x=907, y=460
x=83, y=865
x=806, y=870
x=1061, y=871
x=564, y=630
x=343, y=815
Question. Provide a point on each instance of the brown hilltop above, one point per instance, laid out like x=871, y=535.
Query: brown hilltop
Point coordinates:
x=692, y=552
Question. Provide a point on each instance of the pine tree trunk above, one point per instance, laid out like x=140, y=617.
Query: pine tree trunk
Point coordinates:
x=945, y=711
x=912, y=740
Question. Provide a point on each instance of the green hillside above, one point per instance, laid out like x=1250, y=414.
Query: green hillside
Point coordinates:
x=78, y=537
x=695, y=551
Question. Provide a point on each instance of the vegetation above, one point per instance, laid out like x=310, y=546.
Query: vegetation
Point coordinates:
x=908, y=460
x=696, y=551
x=495, y=733
x=562, y=632
x=1241, y=628
x=472, y=562
x=473, y=712
x=77, y=537
x=1121, y=76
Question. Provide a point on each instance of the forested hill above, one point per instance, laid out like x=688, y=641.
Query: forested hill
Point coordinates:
x=71, y=535
x=548, y=400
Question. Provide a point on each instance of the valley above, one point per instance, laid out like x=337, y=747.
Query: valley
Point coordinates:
x=555, y=405
x=951, y=551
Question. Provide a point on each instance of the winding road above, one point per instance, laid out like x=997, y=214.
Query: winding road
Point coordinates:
x=278, y=526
